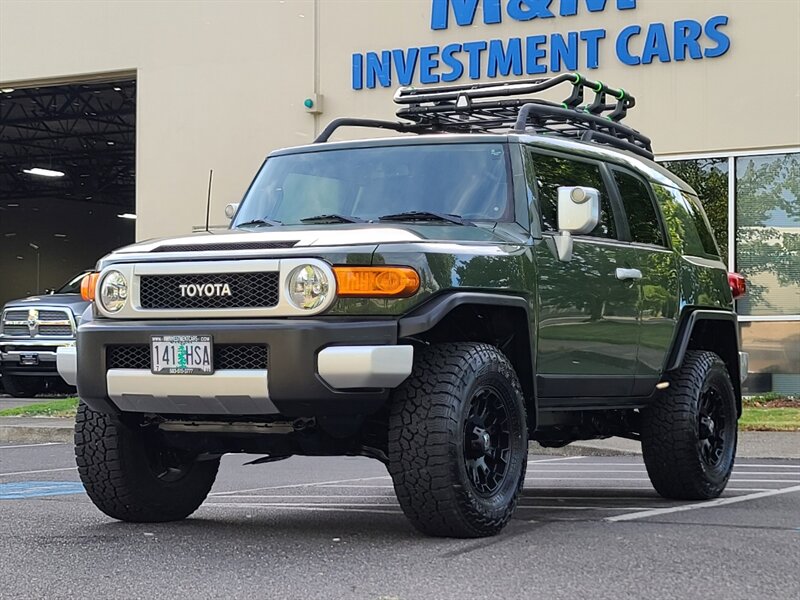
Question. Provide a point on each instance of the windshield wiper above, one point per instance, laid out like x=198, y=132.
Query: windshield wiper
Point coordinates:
x=334, y=218
x=418, y=215
x=265, y=221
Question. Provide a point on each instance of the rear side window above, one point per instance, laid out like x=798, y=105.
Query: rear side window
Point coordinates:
x=643, y=220
x=686, y=222
x=703, y=226
x=552, y=172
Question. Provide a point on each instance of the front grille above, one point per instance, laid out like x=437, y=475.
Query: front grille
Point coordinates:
x=227, y=246
x=248, y=290
x=55, y=329
x=47, y=322
x=52, y=315
x=226, y=357
x=16, y=330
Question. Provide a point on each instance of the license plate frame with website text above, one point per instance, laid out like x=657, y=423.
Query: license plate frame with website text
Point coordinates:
x=182, y=355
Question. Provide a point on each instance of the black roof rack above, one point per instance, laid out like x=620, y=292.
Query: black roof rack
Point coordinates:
x=493, y=107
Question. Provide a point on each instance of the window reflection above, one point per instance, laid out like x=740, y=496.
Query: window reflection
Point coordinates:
x=774, y=349
x=768, y=233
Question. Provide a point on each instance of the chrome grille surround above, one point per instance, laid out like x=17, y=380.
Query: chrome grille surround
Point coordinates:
x=273, y=275
x=37, y=322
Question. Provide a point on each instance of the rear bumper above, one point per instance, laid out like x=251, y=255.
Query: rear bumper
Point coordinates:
x=317, y=367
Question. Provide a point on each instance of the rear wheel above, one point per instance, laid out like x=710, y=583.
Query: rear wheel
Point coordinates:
x=689, y=436
x=132, y=476
x=458, y=441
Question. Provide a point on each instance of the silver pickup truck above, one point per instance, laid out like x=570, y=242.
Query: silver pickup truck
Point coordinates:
x=31, y=331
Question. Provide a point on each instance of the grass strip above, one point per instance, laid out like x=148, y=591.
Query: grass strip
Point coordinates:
x=63, y=407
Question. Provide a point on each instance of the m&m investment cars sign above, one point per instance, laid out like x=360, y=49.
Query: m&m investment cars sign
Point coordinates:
x=539, y=53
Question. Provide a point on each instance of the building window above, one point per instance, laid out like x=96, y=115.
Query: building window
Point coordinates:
x=768, y=233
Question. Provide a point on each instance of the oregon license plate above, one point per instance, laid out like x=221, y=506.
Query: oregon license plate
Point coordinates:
x=182, y=354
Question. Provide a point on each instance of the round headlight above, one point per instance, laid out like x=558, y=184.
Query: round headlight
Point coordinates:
x=113, y=291
x=308, y=287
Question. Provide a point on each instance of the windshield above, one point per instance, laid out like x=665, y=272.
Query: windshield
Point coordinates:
x=73, y=286
x=468, y=180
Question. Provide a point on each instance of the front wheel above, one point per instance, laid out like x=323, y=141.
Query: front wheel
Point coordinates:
x=458, y=441
x=131, y=475
x=689, y=435
x=24, y=386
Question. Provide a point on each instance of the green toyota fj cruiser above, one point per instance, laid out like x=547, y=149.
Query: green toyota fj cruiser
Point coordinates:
x=516, y=270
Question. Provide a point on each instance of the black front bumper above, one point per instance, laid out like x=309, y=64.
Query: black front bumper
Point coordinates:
x=295, y=387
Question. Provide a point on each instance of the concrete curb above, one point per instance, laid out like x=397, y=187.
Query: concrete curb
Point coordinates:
x=35, y=434
x=767, y=445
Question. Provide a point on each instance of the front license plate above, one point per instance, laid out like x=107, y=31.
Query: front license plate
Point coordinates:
x=182, y=354
x=29, y=360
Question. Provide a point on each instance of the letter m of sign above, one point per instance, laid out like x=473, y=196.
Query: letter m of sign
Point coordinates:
x=464, y=12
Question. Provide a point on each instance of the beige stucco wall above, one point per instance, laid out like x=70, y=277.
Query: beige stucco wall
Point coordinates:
x=221, y=83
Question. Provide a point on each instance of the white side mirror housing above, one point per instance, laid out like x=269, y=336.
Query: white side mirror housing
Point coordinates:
x=578, y=213
x=578, y=209
x=231, y=209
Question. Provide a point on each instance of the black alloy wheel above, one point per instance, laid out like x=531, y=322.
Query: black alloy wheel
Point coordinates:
x=487, y=447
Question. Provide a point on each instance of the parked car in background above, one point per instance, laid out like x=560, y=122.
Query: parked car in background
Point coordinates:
x=31, y=331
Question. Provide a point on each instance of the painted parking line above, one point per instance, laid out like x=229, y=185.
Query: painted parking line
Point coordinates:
x=38, y=471
x=341, y=508
x=696, y=506
x=37, y=489
x=299, y=485
x=33, y=445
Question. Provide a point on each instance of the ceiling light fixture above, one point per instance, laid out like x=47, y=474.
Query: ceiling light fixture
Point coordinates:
x=127, y=216
x=6, y=90
x=43, y=172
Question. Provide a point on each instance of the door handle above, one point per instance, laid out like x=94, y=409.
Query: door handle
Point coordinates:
x=624, y=274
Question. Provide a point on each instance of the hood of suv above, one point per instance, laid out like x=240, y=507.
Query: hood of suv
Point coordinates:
x=327, y=236
x=72, y=301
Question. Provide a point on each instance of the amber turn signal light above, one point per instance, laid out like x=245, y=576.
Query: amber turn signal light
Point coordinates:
x=89, y=286
x=376, y=282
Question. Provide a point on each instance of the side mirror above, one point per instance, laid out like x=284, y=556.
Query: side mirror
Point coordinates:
x=49, y=291
x=578, y=213
x=231, y=209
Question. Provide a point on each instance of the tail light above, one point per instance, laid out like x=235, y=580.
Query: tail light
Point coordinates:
x=738, y=285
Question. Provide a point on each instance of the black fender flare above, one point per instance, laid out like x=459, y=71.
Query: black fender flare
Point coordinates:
x=686, y=326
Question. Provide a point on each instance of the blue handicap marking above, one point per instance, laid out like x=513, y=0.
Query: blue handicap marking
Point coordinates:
x=35, y=489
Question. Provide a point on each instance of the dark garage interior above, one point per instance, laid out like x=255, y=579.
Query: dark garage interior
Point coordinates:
x=67, y=181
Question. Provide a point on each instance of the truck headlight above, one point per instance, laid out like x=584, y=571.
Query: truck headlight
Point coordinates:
x=308, y=287
x=113, y=291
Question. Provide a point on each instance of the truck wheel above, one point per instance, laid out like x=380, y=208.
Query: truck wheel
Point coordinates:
x=131, y=476
x=24, y=387
x=458, y=441
x=689, y=435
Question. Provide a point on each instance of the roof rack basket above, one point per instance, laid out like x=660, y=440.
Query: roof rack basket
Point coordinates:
x=495, y=107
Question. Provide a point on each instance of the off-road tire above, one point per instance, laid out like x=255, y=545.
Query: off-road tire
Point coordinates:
x=427, y=438
x=115, y=465
x=24, y=386
x=672, y=432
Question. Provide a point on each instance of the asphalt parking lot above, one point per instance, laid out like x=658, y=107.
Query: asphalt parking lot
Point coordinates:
x=331, y=528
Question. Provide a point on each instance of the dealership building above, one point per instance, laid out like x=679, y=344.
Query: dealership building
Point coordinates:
x=113, y=114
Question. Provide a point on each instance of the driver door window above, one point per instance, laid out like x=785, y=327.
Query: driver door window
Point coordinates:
x=552, y=172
